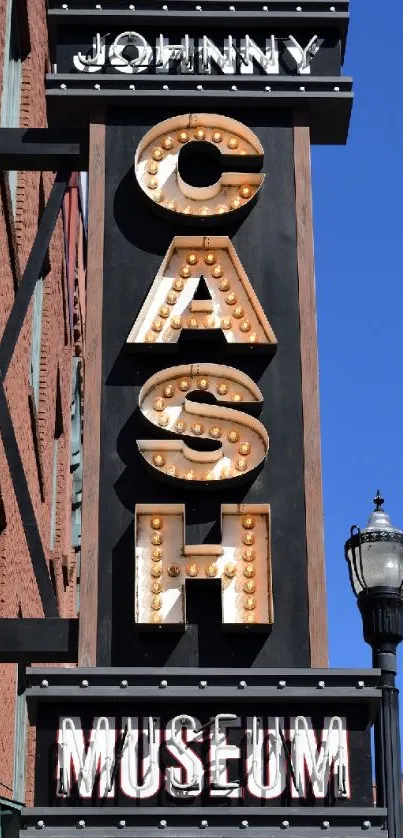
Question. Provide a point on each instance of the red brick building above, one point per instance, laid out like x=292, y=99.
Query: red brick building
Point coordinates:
x=44, y=381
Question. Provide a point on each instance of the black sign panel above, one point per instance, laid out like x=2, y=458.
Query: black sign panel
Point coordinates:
x=262, y=753
x=182, y=50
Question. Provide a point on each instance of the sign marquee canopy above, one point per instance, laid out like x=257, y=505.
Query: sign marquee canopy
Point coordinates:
x=279, y=54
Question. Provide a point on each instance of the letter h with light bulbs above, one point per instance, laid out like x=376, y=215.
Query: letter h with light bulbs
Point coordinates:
x=202, y=697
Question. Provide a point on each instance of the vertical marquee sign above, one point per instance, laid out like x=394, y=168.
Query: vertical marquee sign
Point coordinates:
x=201, y=606
x=194, y=705
x=202, y=520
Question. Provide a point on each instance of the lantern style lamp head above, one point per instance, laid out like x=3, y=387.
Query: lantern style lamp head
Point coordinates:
x=375, y=554
x=375, y=561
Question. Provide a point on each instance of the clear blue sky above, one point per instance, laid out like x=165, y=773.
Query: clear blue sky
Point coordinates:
x=358, y=195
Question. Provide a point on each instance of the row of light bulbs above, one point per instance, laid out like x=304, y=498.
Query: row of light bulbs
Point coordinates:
x=159, y=460
x=183, y=136
x=192, y=568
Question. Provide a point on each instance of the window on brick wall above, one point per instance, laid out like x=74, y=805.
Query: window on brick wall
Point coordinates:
x=36, y=339
x=55, y=466
x=12, y=77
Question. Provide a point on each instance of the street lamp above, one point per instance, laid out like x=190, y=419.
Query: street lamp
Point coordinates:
x=375, y=562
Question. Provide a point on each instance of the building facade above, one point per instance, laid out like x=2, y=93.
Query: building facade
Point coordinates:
x=44, y=382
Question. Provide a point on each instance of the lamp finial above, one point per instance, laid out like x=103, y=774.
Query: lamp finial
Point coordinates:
x=378, y=500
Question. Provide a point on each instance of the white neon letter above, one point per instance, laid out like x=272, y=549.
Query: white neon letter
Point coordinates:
x=86, y=761
x=318, y=761
x=220, y=753
x=303, y=55
x=265, y=759
x=267, y=60
x=130, y=770
x=94, y=62
x=140, y=63
x=190, y=763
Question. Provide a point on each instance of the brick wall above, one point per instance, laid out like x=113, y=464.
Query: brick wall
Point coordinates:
x=18, y=590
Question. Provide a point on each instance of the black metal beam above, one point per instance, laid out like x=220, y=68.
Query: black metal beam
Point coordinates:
x=25, y=640
x=203, y=678
x=40, y=149
x=200, y=685
x=283, y=14
x=215, y=819
x=250, y=13
x=327, y=100
x=116, y=7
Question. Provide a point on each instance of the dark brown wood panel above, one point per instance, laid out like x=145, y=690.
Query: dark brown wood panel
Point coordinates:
x=92, y=395
x=310, y=396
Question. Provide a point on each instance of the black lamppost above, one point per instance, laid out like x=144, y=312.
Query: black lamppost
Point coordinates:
x=375, y=560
